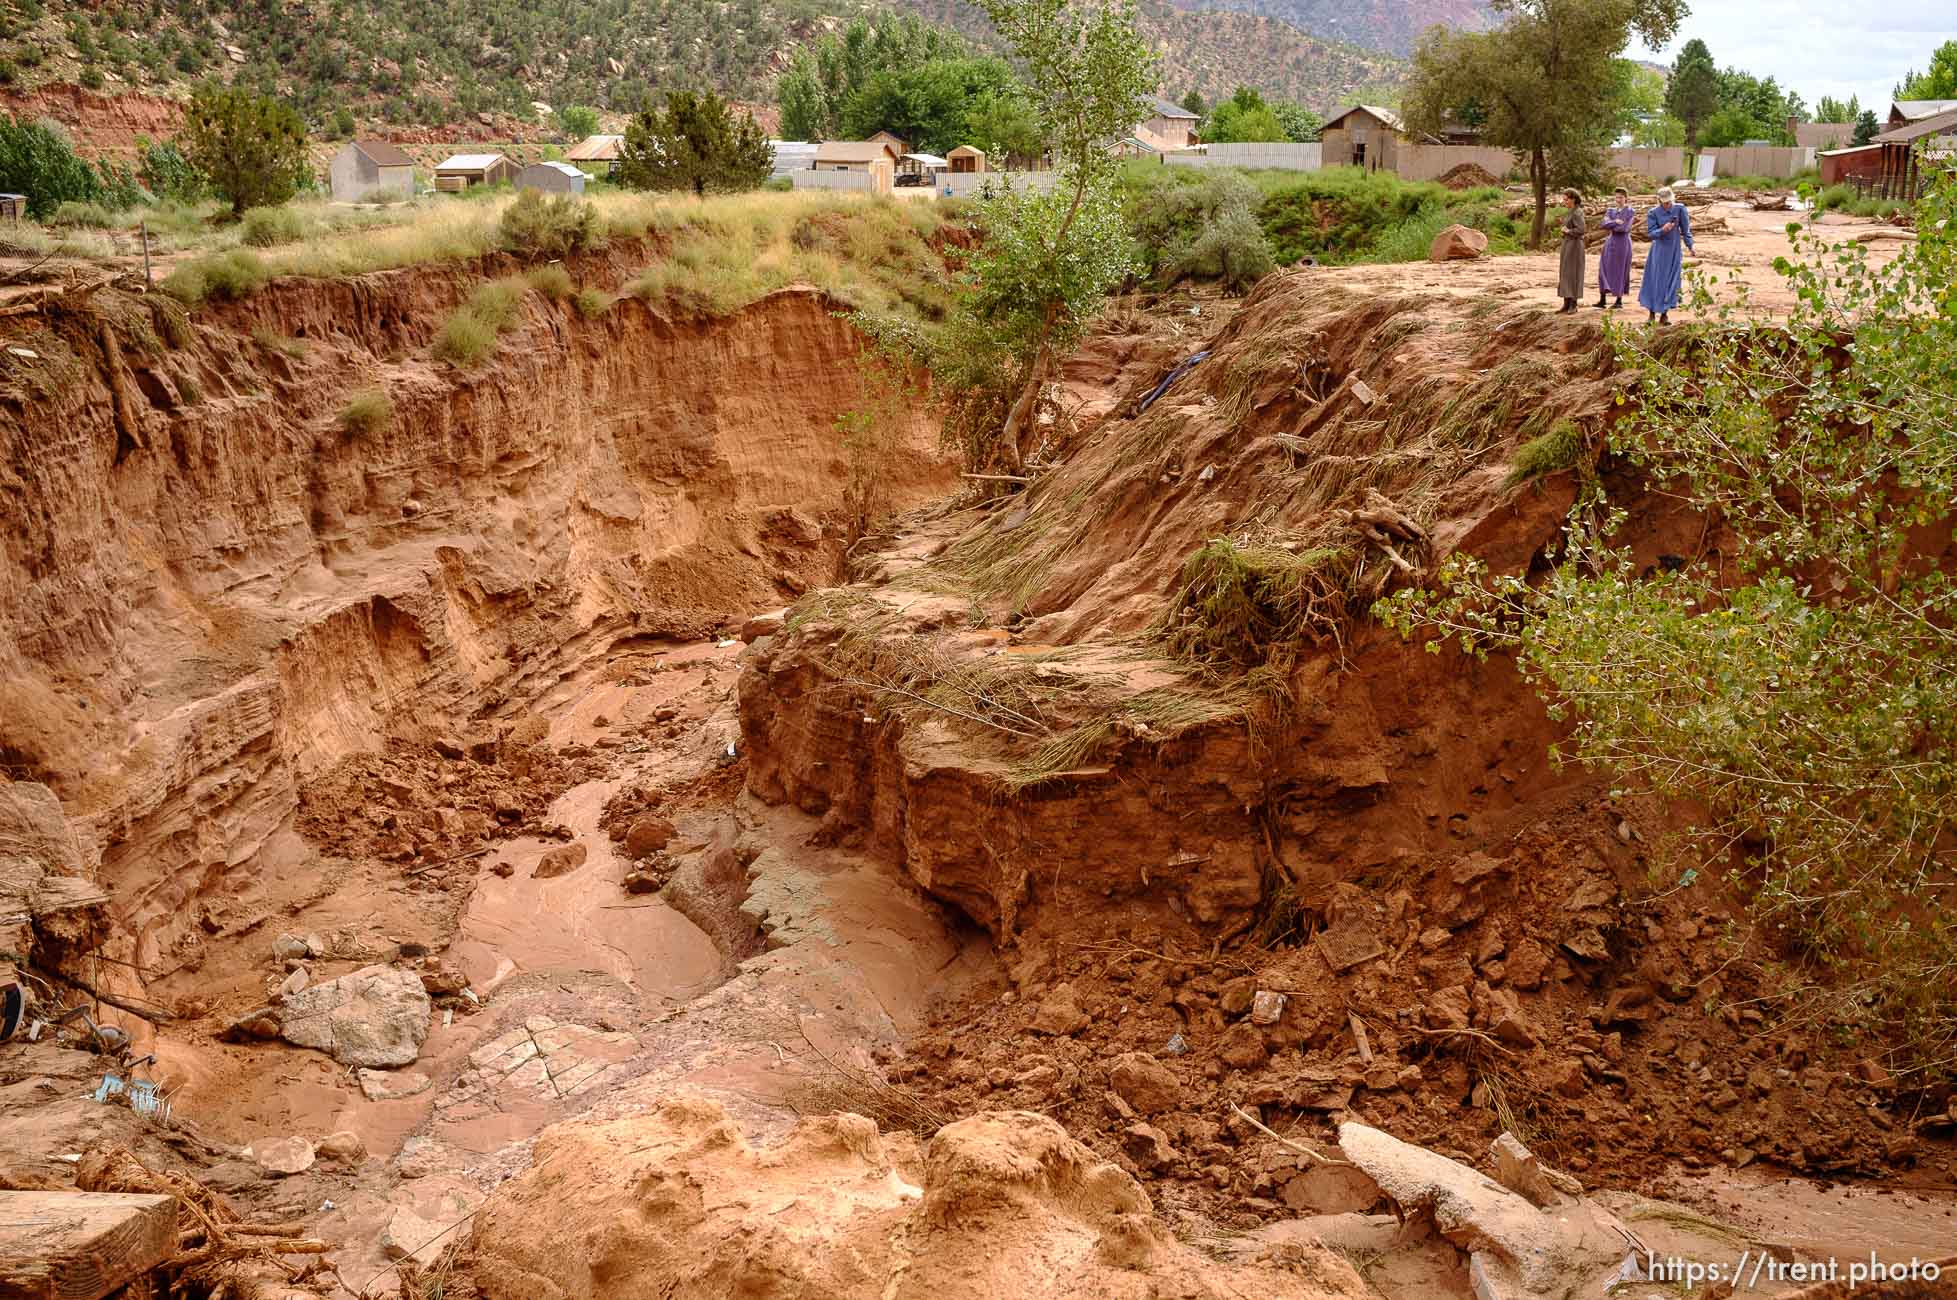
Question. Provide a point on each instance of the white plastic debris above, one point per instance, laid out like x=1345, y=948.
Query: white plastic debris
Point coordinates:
x=29, y=353
x=722, y=645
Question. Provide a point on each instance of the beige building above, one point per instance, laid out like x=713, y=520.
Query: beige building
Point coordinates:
x=1362, y=136
x=853, y=155
x=365, y=166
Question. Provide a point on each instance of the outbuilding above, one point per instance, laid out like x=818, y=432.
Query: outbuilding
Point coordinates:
x=853, y=155
x=1361, y=136
x=1838, y=165
x=552, y=178
x=596, y=154
x=468, y=170
x=363, y=167
x=966, y=159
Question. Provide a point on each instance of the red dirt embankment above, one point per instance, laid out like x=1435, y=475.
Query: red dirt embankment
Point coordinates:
x=211, y=587
x=1377, y=898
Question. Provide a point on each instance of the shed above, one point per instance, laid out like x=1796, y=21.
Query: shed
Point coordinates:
x=13, y=206
x=467, y=170
x=552, y=178
x=596, y=154
x=1361, y=136
x=966, y=159
x=364, y=166
x=791, y=156
x=1838, y=165
x=852, y=155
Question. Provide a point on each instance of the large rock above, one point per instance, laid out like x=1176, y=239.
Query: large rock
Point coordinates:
x=377, y=1016
x=560, y=861
x=1514, y=1248
x=675, y=1204
x=648, y=835
x=1457, y=243
x=286, y=1155
x=1145, y=1083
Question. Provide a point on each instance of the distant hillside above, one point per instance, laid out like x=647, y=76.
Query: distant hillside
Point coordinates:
x=433, y=63
x=1389, y=25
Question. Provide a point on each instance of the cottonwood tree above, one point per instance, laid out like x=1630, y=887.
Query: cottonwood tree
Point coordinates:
x=1050, y=258
x=1541, y=77
x=1797, y=686
x=1938, y=82
x=251, y=148
x=1692, y=94
x=697, y=143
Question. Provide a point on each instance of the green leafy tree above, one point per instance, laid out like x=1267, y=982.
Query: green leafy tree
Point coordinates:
x=697, y=143
x=1799, y=685
x=1692, y=94
x=1301, y=125
x=575, y=122
x=1831, y=109
x=1243, y=118
x=1661, y=132
x=1193, y=103
x=926, y=105
x=1938, y=82
x=1866, y=127
x=1049, y=259
x=1730, y=126
x=1004, y=125
x=167, y=174
x=1537, y=76
x=804, y=108
x=37, y=160
x=1639, y=94
x=252, y=149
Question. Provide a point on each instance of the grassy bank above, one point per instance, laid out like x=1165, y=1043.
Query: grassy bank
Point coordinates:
x=717, y=254
x=1337, y=215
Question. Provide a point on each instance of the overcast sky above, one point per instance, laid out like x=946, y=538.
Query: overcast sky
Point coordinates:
x=1820, y=47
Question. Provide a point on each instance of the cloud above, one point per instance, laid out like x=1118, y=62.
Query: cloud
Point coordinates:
x=1810, y=48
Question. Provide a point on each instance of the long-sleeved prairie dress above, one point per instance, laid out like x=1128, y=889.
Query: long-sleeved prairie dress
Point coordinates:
x=1614, y=263
x=1664, y=263
x=1569, y=271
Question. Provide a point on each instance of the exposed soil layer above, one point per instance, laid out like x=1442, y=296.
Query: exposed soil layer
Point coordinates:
x=953, y=931
x=1379, y=901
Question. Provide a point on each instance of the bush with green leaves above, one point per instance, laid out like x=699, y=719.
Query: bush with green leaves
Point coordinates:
x=92, y=216
x=1800, y=684
x=557, y=225
x=697, y=143
x=225, y=276
x=37, y=159
x=167, y=174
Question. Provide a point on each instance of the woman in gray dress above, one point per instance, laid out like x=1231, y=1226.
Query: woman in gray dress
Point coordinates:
x=1569, y=275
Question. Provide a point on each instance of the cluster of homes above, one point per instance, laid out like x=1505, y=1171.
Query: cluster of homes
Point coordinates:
x=364, y=168
x=1364, y=135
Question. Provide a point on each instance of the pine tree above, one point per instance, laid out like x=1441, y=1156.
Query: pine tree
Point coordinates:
x=695, y=143
x=252, y=149
x=1693, y=94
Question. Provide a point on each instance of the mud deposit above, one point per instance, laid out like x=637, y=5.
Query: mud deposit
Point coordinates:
x=543, y=864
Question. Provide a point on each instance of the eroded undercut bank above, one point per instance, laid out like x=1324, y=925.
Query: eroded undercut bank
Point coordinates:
x=523, y=815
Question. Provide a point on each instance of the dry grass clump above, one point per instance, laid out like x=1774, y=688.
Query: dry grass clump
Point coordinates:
x=470, y=332
x=368, y=411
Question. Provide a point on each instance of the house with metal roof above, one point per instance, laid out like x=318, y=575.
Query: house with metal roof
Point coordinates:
x=1164, y=125
x=363, y=167
x=596, y=154
x=467, y=170
x=1902, y=112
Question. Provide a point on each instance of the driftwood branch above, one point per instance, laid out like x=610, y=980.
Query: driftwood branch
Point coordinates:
x=1301, y=1149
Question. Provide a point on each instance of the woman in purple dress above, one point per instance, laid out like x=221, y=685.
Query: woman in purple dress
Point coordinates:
x=1614, y=264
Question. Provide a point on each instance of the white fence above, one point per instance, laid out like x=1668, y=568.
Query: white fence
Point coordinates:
x=1760, y=160
x=1277, y=155
x=815, y=180
x=961, y=183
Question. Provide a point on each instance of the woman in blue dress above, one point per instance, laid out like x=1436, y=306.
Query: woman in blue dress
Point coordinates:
x=1670, y=229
